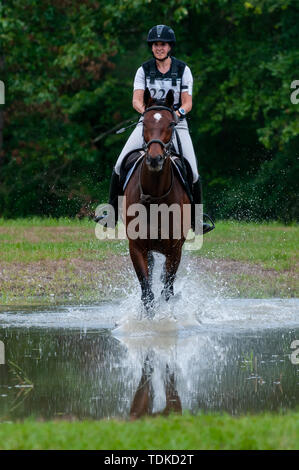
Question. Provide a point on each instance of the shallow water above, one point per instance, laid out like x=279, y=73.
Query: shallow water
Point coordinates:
x=202, y=351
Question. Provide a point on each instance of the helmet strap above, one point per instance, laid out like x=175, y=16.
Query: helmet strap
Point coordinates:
x=162, y=60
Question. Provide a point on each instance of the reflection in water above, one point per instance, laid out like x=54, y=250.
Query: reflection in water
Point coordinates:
x=94, y=374
x=202, y=352
x=143, y=399
x=22, y=383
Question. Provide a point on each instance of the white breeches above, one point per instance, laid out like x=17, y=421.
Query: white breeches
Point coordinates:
x=135, y=141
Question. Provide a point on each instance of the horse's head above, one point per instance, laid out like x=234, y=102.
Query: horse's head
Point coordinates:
x=158, y=123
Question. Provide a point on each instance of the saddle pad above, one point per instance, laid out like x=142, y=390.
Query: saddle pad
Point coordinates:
x=129, y=165
x=176, y=161
x=133, y=159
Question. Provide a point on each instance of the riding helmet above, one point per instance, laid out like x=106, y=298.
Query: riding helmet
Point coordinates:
x=162, y=33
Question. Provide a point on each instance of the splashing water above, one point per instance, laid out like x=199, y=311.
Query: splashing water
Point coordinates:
x=198, y=304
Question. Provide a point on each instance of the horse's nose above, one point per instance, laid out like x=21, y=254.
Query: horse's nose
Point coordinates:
x=154, y=162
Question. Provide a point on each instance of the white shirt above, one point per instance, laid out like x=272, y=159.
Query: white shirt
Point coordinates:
x=162, y=85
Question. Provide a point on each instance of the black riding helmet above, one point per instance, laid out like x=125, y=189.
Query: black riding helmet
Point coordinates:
x=162, y=33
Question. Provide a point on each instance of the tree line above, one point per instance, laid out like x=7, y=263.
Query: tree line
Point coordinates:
x=68, y=68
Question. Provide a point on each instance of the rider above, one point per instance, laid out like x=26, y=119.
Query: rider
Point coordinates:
x=160, y=74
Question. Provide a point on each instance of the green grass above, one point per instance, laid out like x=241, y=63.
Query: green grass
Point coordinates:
x=271, y=245
x=29, y=240
x=46, y=259
x=266, y=431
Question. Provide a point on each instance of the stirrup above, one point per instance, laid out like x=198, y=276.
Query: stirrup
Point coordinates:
x=206, y=228
x=99, y=218
x=104, y=219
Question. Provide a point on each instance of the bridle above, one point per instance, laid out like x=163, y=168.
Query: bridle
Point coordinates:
x=166, y=146
x=148, y=198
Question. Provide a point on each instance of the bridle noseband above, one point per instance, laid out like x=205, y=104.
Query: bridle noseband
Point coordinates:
x=166, y=146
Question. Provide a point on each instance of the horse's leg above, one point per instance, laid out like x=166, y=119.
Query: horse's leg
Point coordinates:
x=171, y=266
x=142, y=401
x=150, y=263
x=173, y=402
x=140, y=262
x=163, y=273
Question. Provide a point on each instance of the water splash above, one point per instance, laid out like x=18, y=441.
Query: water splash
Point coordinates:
x=199, y=303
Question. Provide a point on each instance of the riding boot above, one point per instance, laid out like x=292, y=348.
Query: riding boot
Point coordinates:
x=114, y=192
x=197, y=199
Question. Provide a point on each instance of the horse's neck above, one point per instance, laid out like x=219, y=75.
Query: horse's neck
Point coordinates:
x=156, y=183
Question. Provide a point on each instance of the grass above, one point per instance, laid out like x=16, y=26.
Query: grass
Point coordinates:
x=42, y=260
x=265, y=431
x=271, y=245
x=37, y=239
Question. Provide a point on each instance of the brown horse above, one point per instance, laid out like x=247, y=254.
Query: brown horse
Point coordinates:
x=155, y=183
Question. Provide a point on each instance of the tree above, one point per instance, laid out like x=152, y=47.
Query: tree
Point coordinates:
x=69, y=71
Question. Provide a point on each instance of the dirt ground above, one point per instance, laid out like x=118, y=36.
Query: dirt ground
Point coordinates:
x=78, y=280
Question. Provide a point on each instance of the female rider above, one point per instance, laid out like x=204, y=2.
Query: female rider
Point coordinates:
x=160, y=74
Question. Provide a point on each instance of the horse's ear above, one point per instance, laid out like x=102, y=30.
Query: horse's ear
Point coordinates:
x=147, y=97
x=169, y=100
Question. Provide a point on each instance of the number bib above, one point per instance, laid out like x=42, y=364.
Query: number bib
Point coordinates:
x=159, y=84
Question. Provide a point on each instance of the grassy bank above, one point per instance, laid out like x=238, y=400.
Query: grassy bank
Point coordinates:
x=265, y=431
x=48, y=260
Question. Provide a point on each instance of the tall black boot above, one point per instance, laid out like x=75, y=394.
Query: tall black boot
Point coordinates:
x=197, y=199
x=114, y=192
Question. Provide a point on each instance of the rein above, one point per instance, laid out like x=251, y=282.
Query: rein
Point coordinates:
x=148, y=198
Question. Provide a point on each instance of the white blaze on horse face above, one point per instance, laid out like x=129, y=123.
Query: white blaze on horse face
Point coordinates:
x=157, y=116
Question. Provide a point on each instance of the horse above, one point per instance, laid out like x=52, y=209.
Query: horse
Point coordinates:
x=155, y=183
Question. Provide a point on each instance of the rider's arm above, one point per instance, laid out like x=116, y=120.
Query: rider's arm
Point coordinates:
x=138, y=102
x=186, y=101
x=186, y=96
x=138, y=93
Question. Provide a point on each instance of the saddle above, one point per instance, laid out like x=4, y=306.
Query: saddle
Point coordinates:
x=133, y=159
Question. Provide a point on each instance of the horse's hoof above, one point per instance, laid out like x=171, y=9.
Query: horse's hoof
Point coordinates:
x=167, y=293
x=150, y=314
x=149, y=309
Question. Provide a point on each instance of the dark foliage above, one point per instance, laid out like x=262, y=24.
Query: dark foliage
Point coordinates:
x=68, y=68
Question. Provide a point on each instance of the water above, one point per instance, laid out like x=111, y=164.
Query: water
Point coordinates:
x=202, y=351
